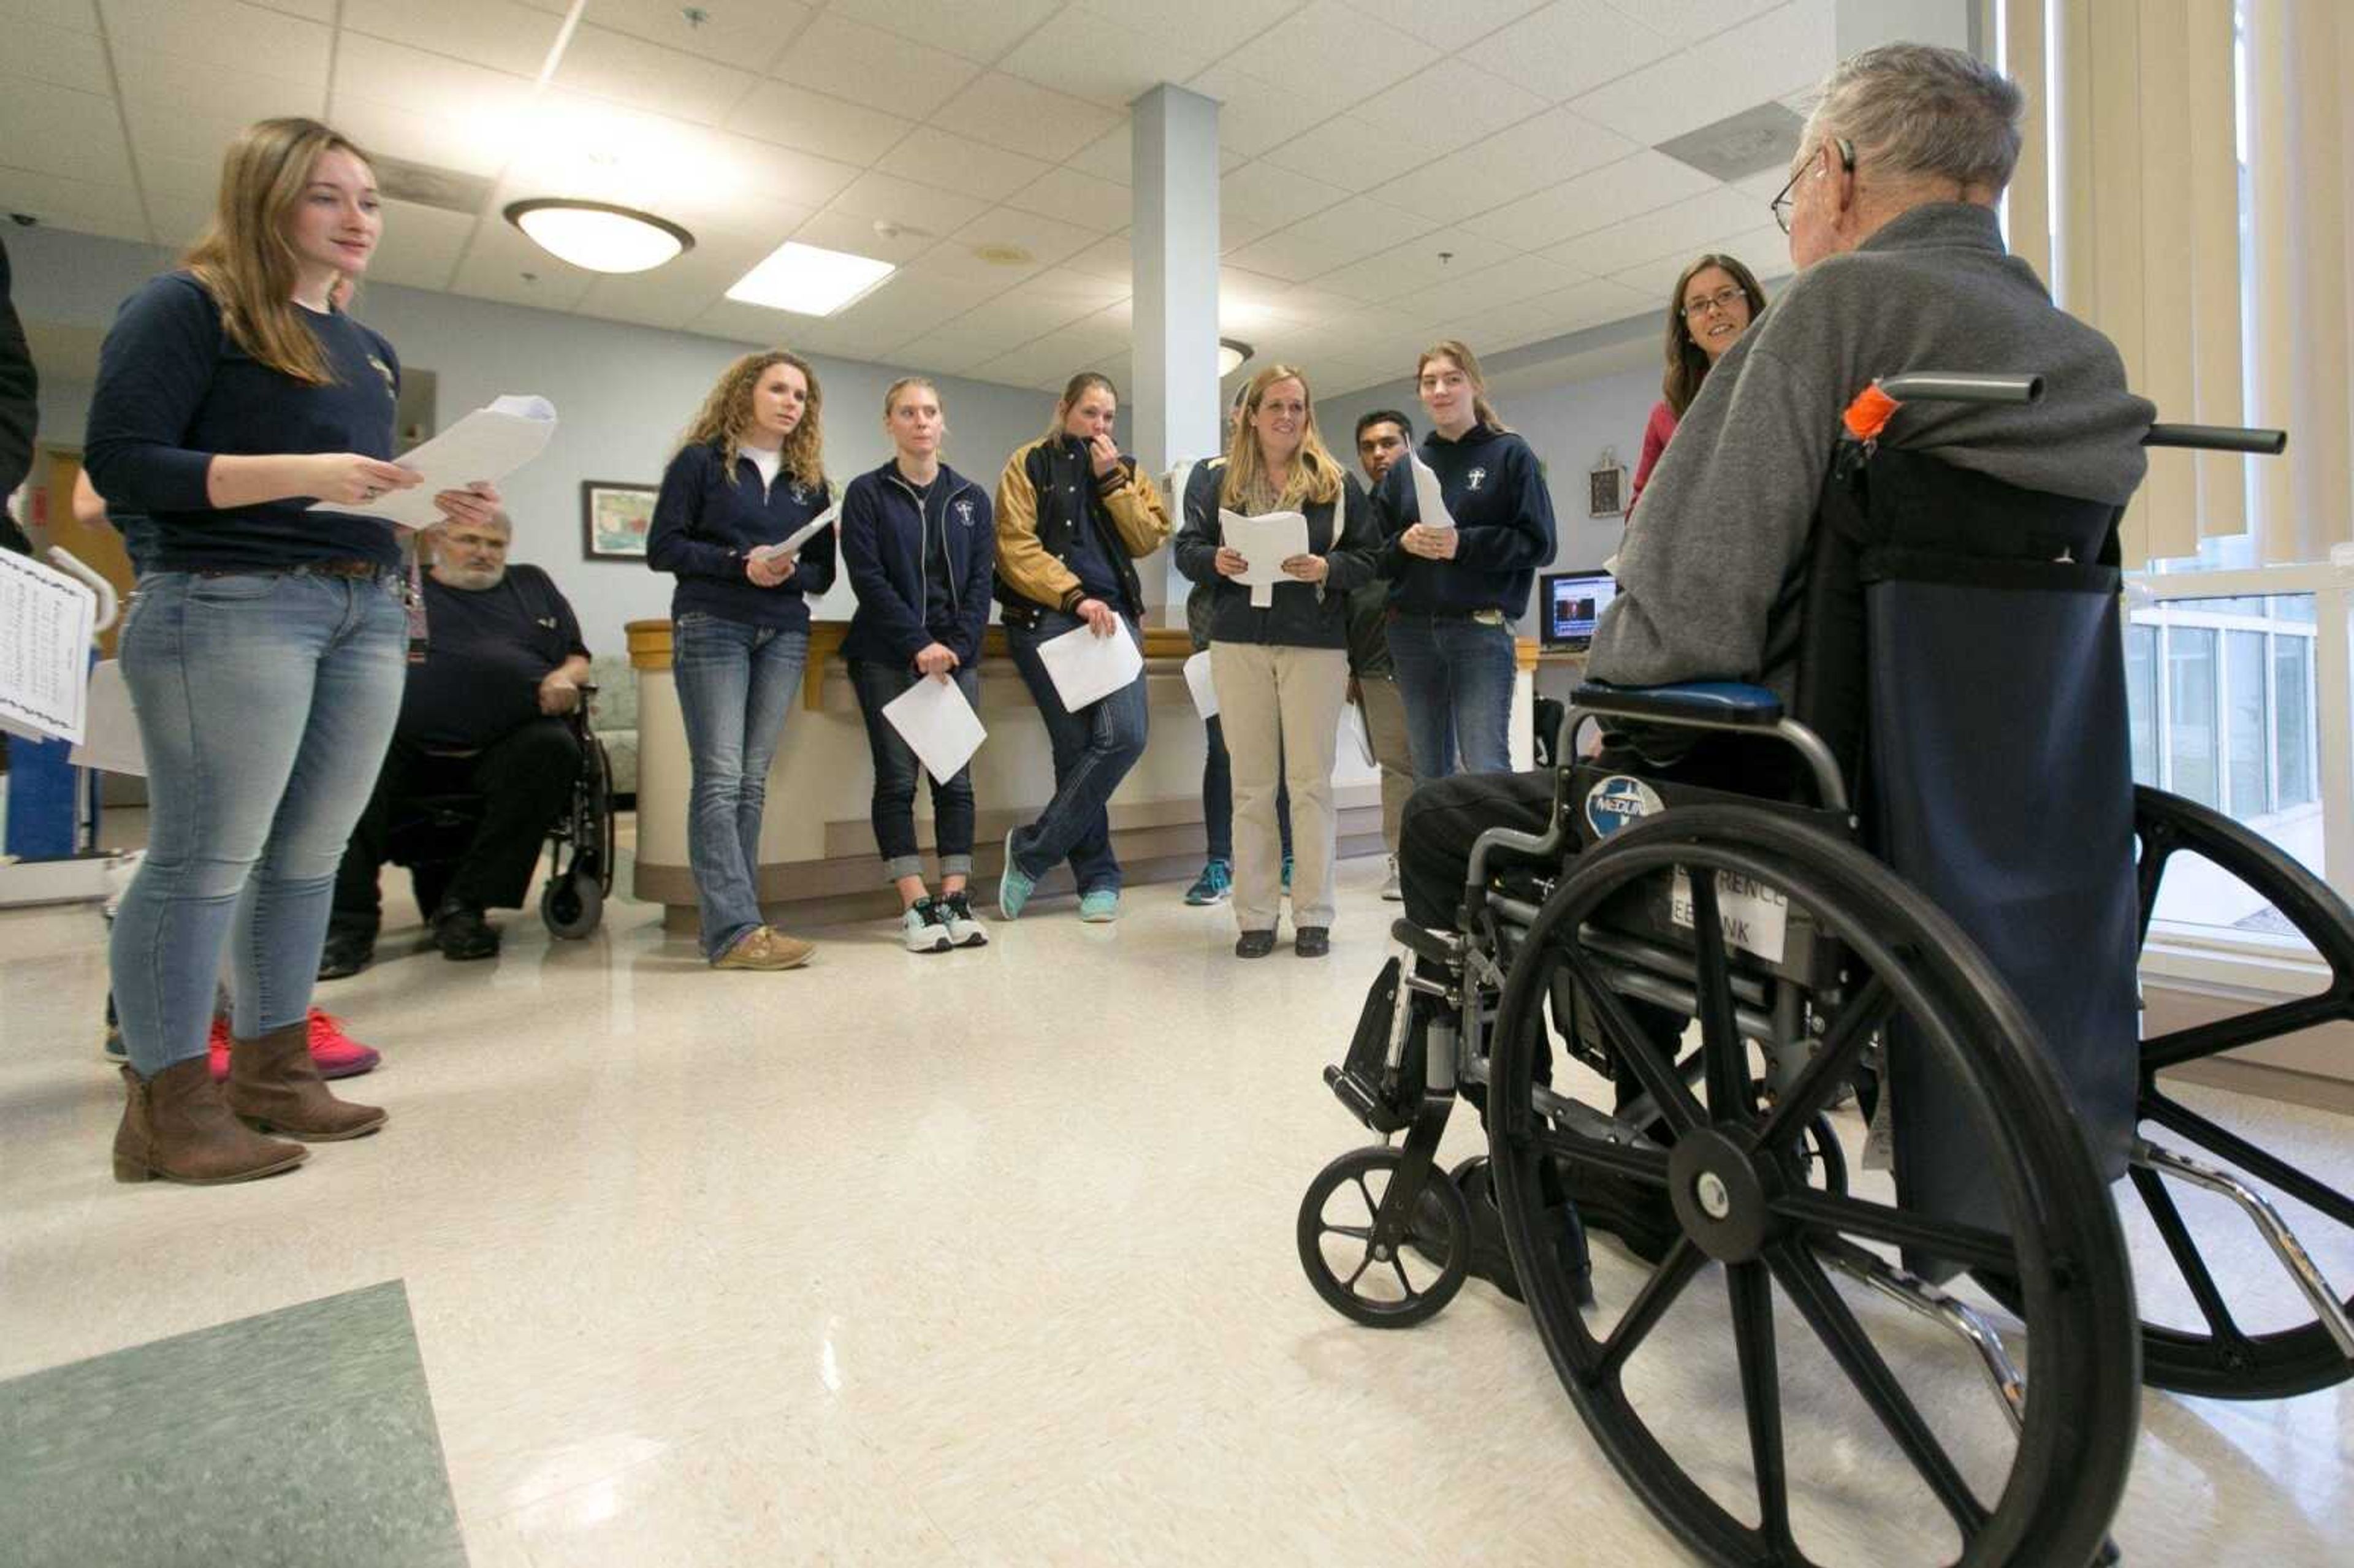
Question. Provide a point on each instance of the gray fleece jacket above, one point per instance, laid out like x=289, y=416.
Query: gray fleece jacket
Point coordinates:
x=1711, y=574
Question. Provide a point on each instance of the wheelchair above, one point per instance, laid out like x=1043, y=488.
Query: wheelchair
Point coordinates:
x=1946, y=918
x=431, y=831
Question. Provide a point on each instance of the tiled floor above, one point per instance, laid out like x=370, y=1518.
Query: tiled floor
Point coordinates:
x=978, y=1258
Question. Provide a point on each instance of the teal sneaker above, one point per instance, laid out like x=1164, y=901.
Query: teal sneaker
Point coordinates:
x=1213, y=886
x=1099, y=907
x=1013, y=888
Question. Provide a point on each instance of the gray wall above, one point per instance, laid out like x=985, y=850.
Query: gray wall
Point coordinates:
x=622, y=394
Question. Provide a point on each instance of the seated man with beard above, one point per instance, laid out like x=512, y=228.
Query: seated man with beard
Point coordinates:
x=483, y=714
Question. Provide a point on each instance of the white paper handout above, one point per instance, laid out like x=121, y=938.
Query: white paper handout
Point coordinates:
x=1354, y=721
x=1199, y=682
x=938, y=726
x=1429, y=505
x=801, y=536
x=110, y=740
x=46, y=620
x=1266, y=542
x=1086, y=668
x=485, y=447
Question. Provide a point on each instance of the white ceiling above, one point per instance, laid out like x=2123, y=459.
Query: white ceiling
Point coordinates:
x=1360, y=141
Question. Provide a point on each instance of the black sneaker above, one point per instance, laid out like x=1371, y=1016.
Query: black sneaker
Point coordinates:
x=346, y=953
x=1253, y=944
x=1642, y=1217
x=1492, y=1257
x=462, y=933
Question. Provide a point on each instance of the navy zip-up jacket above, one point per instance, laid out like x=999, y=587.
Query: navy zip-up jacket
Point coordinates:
x=1304, y=615
x=884, y=533
x=706, y=521
x=1504, y=521
x=173, y=391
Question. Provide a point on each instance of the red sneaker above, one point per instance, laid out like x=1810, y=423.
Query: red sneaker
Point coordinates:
x=335, y=1053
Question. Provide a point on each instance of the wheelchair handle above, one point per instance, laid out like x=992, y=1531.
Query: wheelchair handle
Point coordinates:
x=2218, y=438
x=1961, y=387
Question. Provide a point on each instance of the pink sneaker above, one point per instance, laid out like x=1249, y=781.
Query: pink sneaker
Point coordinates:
x=335, y=1053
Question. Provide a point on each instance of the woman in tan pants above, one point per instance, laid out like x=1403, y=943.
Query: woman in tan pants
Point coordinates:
x=1281, y=670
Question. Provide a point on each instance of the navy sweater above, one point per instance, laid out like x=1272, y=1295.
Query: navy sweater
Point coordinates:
x=706, y=521
x=173, y=392
x=891, y=548
x=1503, y=520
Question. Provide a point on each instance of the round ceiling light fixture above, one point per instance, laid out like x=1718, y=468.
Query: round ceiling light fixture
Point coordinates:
x=598, y=235
x=1233, y=355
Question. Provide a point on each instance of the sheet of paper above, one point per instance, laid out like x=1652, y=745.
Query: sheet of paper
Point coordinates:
x=486, y=446
x=110, y=740
x=46, y=618
x=938, y=726
x=1204, y=689
x=801, y=536
x=1266, y=542
x=1428, y=501
x=1086, y=668
x=1352, y=723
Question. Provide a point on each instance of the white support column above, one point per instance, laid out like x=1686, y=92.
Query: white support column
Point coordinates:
x=1173, y=406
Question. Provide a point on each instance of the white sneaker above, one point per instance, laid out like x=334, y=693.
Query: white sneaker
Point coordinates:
x=1390, y=888
x=955, y=909
x=923, y=929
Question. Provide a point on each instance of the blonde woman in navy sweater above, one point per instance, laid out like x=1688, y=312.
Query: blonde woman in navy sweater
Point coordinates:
x=264, y=649
x=918, y=541
x=750, y=472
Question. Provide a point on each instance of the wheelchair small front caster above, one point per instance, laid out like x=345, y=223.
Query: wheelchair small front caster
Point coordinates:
x=1384, y=1277
x=572, y=905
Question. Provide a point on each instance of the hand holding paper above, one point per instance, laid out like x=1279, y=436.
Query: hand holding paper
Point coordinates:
x=483, y=448
x=938, y=726
x=1266, y=542
x=1430, y=507
x=791, y=542
x=1086, y=669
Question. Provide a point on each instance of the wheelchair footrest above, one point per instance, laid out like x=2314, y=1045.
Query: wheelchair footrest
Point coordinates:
x=1431, y=947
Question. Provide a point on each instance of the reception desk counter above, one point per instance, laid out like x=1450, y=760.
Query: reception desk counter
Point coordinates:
x=818, y=862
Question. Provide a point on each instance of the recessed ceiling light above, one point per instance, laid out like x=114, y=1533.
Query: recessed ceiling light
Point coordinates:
x=598, y=235
x=809, y=279
x=1233, y=355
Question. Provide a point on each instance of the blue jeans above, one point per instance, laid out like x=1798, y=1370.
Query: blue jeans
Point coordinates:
x=265, y=701
x=736, y=684
x=1094, y=749
x=1218, y=798
x=1455, y=676
x=895, y=767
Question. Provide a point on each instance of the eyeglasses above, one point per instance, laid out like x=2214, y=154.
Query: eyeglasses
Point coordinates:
x=1720, y=301
x=1780, y=205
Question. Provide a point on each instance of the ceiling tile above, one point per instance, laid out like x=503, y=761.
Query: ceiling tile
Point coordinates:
x=667, y=81
x=1221, y=25
x=1108, y=64
x=1347, y=152
x=1633, y=186
x=481, y=146
x=978, y=32
x=499, y=34
x=48, y=130
x=1073, y=198
x=1690, y=21
x=936, y=157
x=794, y=116
x=1569, y=48
x=676, y=292
x=1781, y=52
x=82, y=205
x=173, y=110
x=1007, y=112
x=1339, y=49
x=937, y=212
x=1449, y=26
x=1764, y=249
x=802, y=178
x=979, y=335
x=489, y=104
x=62, y=57
x=1330, y=239
x=1111, y=156
x=222, y=32
x=1457, y=187
x=1107, y=258
x=74, y=16
x=502, y=264
x=1049, y=241
x=1414, y=266
x=1267, y=193
x=1685, y=226
x=746, y=33
x=1506, y=283
x=835, y=230
x=1255, y=115
x=419, y=247
x=888, y=70
x=1445, y=105
x=736, y=321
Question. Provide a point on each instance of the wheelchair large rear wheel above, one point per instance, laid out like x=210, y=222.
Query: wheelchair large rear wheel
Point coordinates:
x=2236, y=1327
x=1868, y=1438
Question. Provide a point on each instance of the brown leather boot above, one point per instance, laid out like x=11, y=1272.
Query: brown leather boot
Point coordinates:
x=177, y=1126
x=276, y=1087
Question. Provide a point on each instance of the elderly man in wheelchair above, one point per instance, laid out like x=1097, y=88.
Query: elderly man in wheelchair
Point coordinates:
x=1862, y=819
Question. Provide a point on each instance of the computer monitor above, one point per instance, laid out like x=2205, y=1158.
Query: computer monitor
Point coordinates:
x=1571, y=603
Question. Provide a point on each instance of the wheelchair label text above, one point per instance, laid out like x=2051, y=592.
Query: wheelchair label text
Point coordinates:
x=1755, y=917
x=1618, y=800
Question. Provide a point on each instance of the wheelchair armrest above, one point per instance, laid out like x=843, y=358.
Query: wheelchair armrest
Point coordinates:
x=1712, y=704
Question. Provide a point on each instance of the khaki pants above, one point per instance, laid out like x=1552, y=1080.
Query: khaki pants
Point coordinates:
x=1276, y=699
x=1386, y=722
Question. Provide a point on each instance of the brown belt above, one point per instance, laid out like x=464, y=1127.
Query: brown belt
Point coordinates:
x=343, y=569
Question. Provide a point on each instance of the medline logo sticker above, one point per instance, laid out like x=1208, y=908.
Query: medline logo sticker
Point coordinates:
x=1618, y=800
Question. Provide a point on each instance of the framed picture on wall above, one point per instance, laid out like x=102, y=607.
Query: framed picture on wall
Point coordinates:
x=614, y=518
x=1607, y=491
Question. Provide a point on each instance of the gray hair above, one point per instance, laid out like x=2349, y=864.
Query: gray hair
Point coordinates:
x=1922, y=112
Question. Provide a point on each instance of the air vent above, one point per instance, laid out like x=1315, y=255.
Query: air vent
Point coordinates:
x=423, y=186
x=1749, y=142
